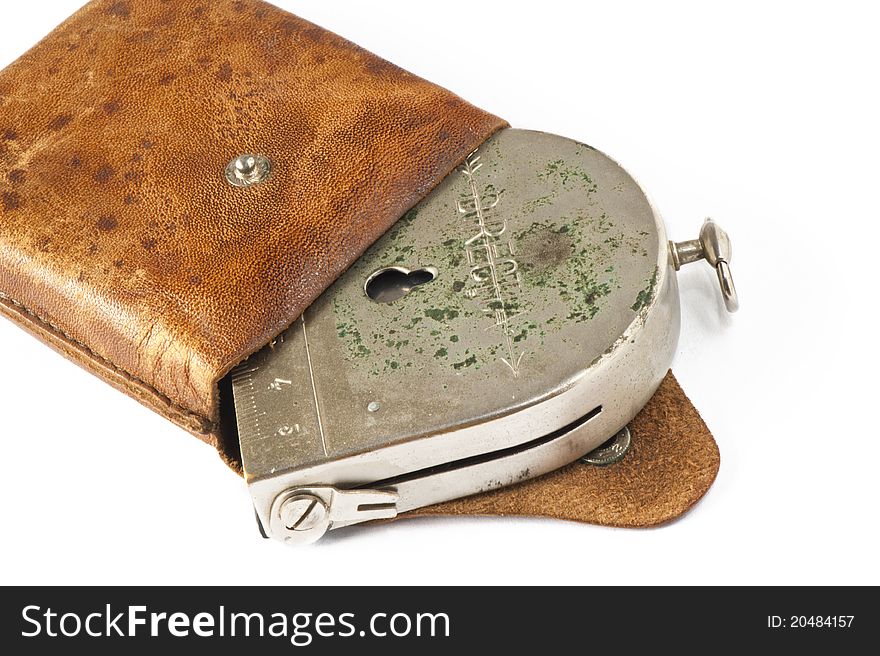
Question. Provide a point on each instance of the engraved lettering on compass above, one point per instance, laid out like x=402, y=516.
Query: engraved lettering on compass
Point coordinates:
x=494, y=278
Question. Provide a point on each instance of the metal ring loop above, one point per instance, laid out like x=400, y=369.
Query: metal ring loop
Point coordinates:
x=728, y=289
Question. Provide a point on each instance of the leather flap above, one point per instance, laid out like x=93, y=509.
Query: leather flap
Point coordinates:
x=121, y=241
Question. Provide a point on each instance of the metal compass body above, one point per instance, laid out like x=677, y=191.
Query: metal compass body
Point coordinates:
x=512, y=322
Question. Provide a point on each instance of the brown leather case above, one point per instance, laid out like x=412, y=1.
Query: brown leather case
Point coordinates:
x=121, y=242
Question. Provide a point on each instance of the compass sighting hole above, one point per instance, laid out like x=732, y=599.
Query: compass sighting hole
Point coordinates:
x=393, y=283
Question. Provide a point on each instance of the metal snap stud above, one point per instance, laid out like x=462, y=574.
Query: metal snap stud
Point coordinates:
x=248, y=170
x=611, y=451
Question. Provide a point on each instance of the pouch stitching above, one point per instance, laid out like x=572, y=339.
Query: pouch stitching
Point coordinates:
x=208, y=425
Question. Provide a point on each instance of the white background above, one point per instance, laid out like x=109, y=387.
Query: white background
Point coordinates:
x=763, y=115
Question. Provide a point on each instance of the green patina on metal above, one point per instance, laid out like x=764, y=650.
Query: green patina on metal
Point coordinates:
x=646, y=295
x=442, y=315
x=569, y=262
x=532, y=206
x=559, y=170
x=349, y=333
x=469, y=362
x=572, y=261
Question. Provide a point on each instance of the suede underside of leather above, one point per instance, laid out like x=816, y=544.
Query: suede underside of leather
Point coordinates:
x=671, y=465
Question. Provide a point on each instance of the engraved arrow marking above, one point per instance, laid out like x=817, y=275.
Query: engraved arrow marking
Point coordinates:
x=487, y=242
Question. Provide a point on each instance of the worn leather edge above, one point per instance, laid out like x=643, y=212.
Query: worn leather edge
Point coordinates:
x=672, y=464
x=80, y=354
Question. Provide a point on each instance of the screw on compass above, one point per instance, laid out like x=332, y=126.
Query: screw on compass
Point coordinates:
x=301, y=518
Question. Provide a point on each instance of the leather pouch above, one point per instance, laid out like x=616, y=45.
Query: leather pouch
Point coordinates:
x=124, y=247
